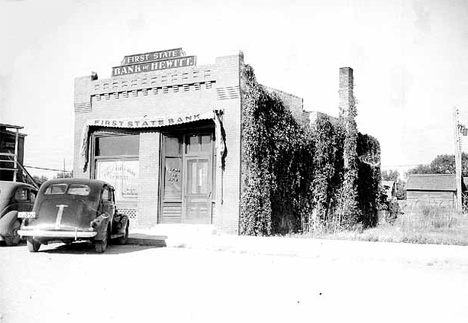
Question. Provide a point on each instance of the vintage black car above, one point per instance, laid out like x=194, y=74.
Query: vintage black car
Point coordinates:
x=74, y=209
x=14, y=197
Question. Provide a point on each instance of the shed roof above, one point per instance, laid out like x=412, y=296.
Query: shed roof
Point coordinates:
x=431, y=182
x=5, y=125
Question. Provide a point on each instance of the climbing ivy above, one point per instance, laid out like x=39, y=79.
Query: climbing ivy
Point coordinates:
x=297, y=177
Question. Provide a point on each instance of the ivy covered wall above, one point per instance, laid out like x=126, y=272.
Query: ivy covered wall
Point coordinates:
x=297, y=177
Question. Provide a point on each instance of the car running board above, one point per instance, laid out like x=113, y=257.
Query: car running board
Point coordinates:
x=117, y=235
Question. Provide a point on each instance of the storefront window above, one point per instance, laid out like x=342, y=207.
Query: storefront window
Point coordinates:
x=116, y=162
x=122, y=174
x=117, y=145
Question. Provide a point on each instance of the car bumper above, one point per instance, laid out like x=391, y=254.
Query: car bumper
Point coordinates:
x=57, y=234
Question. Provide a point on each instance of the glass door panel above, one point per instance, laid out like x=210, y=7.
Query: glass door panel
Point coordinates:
x=198, y=196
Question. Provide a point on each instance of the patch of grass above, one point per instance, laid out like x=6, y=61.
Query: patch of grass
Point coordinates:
x=430, y=225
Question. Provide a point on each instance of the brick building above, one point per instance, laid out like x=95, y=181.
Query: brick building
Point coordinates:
x=167, y=134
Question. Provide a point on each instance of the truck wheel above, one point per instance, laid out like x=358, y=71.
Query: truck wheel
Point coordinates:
x=101, y=245
x=14, y=238
x=33, y=245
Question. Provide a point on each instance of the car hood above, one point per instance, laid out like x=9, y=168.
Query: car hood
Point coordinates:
x=64, y=214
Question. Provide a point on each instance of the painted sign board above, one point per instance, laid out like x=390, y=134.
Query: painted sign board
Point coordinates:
x=152, y=56
x=154, y=66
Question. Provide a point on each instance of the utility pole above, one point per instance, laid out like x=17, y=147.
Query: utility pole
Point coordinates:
x=458, y=159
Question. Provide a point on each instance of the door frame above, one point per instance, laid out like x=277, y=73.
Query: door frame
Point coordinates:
x=211, y=155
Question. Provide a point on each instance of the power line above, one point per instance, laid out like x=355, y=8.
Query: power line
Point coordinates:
x=51, y=169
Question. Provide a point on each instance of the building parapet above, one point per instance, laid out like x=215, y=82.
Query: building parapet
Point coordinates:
x=150, y=80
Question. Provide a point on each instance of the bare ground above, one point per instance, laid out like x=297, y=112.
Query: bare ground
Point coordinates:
x=236, y=279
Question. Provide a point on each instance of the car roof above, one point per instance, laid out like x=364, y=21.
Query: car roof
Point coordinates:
x=8, y=186
x=93, y=183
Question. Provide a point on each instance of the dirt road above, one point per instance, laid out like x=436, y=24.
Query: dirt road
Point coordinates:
x=146, y=284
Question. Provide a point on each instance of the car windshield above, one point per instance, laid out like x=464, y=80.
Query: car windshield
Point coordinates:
x=73, y=189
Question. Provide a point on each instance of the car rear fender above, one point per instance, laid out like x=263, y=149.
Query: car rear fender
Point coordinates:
x=6, y=221
x=102, y=222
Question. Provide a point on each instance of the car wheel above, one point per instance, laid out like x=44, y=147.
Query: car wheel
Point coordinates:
x=14, y=238
x=33, y=245
x=101, y=245
x=123, y=240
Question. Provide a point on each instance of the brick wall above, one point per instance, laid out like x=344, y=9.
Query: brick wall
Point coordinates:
x=148, y=183
x=164, y=93
x=346, y=86
x=294, y=103
x=169, y=92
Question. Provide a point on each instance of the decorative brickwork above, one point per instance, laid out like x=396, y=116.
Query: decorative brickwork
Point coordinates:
x=151, y=80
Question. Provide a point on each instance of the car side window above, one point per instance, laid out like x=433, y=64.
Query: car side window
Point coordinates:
x=21, y=194
x=111, y=195
x=105, y=194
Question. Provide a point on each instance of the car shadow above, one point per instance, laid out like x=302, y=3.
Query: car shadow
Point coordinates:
x=22, y=243
x=86, y=248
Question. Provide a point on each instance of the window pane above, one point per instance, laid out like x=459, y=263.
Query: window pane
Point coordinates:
x=205, y=143
x=173, y=179
x=173, y=145
x=78, y=189
x=192, y=177
x=203, y=176
x=21, y=194
x=56, y=189
x=122, y=175
x=117, y=145
x=105, y=195
x=193, y=145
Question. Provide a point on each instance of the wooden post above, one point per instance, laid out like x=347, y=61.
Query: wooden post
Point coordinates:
x=15, y=164
x=458, y=160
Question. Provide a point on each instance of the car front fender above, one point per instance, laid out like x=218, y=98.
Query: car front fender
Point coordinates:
x=6, y=222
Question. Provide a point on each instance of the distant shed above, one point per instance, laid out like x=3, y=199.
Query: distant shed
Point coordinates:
x=433, y=189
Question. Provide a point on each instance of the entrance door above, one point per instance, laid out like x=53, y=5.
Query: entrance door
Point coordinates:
x=187, y=178
x=198, y=191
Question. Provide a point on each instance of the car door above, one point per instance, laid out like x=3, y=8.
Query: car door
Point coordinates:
x=107, y=203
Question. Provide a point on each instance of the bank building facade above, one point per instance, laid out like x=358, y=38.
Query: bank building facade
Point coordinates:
x=166, y=134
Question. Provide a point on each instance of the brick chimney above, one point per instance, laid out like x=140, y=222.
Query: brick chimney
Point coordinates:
x=346, y=89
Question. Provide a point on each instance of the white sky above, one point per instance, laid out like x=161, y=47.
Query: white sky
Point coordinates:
x=410, y=60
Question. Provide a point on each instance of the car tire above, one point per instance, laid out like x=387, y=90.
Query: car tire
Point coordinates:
x=33, y=245
x=101, y=245
x=14, y=238
x=123, y=240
